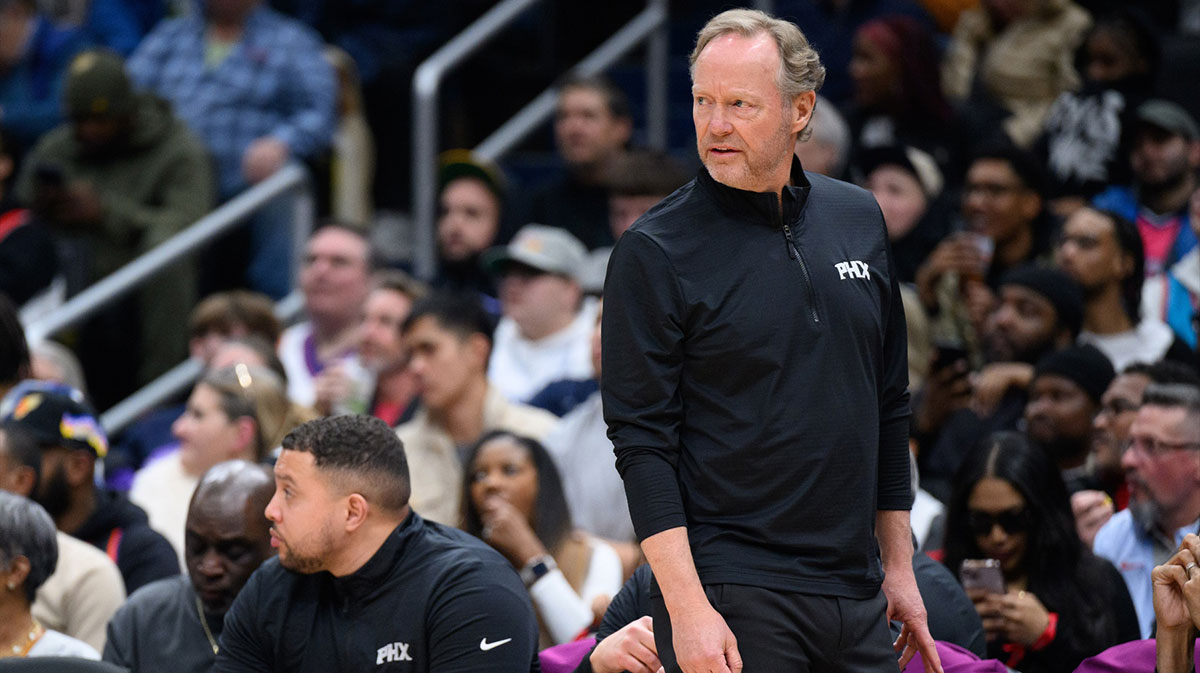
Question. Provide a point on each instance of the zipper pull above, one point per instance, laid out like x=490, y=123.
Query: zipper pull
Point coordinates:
x=791, y=245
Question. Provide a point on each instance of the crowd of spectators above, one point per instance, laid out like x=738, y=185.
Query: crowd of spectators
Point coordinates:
x=1040, y=191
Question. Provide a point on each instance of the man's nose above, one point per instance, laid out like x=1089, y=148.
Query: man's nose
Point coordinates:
x=718, y=122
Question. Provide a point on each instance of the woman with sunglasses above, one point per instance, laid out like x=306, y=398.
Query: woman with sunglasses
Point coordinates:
x=1060, y=603
x=241, y=411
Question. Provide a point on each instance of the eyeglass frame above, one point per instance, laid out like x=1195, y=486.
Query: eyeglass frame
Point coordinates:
x=1157, y=448
x=1019, y=518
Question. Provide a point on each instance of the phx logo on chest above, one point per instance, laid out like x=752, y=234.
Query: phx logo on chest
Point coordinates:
x=853, y=269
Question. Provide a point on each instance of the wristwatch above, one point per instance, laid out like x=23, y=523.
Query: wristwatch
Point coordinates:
x=537, y=568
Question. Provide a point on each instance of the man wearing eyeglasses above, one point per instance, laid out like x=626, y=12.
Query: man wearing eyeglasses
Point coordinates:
x=1162, y=465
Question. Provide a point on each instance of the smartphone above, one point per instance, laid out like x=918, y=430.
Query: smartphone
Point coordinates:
x=946, y=355
x=983, y=574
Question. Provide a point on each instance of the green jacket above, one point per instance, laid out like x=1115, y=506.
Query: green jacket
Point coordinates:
x=157, y=185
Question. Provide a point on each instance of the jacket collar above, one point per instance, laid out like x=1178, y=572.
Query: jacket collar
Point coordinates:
x=373, y=575
x=760, y=207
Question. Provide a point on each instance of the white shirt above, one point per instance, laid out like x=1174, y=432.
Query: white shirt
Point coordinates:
x=520, y=368
x=54, y=644
x=164, y=489
x=587, y=466
x=1146, y=343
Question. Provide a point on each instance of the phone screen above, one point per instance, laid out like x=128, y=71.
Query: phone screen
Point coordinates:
x=982, y=574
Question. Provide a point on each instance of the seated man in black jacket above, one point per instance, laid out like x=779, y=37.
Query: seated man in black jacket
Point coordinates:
x=364, y=583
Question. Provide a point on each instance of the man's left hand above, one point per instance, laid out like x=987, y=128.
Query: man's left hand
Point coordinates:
x=262, y=158
x=906, y=606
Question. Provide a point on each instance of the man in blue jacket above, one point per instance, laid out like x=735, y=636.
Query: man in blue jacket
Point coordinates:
x=755, y=387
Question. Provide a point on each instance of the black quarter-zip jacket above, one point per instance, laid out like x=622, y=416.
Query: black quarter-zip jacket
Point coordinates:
x=755, y=381
x=431, y=599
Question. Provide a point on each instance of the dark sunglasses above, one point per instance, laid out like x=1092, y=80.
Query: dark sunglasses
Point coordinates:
x=1012, y=521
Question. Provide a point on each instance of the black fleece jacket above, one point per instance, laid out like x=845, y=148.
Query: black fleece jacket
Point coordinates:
x=755, y=381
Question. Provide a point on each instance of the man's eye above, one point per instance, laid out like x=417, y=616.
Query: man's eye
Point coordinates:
x=700, y=100
x=739, y=103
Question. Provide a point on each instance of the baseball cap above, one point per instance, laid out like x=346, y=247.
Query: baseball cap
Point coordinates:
x=547, y=249
x=98, y=86
x=55, y=415
x=917, y=162
x=455, y=164
x=1169, y=117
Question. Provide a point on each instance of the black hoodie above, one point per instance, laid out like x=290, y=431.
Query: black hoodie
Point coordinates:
x=120, y=529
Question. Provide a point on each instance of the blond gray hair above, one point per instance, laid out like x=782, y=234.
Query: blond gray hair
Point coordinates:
x=800, y=68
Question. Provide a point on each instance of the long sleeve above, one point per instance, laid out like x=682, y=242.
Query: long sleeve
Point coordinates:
x=642, y=356
x=243, y=647
x=311, y=97
x=895, y=483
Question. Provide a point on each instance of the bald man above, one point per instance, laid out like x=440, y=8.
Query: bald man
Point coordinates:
x=174, y=624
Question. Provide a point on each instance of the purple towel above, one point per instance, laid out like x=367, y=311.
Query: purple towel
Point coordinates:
x=564, y=658
x=957, y=660
x=1135, y=656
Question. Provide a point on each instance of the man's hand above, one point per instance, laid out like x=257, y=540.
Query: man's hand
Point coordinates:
x=1176, y=607
x=946, y=390
x=952, y=254
x=262, y=158
x=630, y=649
x=1092, y=509
x=991, y=383
x=906, y=606
x=332, y=385
x=703, y=642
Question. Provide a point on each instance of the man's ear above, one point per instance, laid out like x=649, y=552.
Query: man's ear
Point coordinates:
x=357, y=510
x=801, y=110
x=6, y=166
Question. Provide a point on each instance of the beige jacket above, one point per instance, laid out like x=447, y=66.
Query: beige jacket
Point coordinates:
x=82, y=594
x=434, y=467
x=1025, y=66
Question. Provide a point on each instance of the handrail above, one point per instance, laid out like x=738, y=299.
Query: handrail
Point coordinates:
x=537, y=111
x=648, y=25
x=136, y=272
x=427, y=81
x=179, y=378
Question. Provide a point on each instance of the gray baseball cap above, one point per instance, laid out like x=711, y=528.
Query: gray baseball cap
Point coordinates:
x=1169, y=117
x=547, y=249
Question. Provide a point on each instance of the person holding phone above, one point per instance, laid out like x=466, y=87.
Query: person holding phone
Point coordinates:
x=1056, y=603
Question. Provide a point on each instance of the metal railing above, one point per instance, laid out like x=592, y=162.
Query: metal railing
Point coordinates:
x=648, y=26
x=292, y=178
x=179, y=378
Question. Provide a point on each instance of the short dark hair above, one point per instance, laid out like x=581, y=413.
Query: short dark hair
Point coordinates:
x=551, y=517
x=1129, y=239
x=360, y=452
x=223, y=311
x=457, y=312
x=1165, y=371
x=614, y=98
x=374, y=261
x=14, y=350
x=1029, y=170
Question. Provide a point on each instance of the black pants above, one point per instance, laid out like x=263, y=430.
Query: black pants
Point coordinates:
x=780, y=632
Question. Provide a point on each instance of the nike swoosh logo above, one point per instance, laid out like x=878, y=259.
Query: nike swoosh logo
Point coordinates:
x=485, y=645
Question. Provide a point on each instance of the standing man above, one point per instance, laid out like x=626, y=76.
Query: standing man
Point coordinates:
x=755, y=387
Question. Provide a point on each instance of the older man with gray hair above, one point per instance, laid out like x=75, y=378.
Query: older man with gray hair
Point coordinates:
x=755, y=387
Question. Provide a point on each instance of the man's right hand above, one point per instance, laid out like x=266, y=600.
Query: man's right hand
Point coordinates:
x=703, y=642
x=630, y=649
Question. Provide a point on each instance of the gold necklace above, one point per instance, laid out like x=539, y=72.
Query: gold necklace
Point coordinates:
x=22, y=648
x=204, y=623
